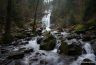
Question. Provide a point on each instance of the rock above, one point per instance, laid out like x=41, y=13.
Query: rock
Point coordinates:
x=3, y=51
x=74, y=50
x=39, y=31
x=34, y=59
x=87, y=62
x=16, y=56
x=90, y=35
x=86, y=38
x=28, y=51
x=48, y=43
x=72, y=36
x=19, y=54
x=28, y=38
x=70, y=50
x=43, y=62
x=94, y=45
x=39, y=40
x=63, y=48
x=24, y=43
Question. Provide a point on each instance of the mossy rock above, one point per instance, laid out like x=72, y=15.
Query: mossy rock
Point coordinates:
x=48, y=43
x=63, y=48
x=79, y=28
x=91, y=22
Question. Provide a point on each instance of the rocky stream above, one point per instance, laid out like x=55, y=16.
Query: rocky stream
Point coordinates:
x=50, y=48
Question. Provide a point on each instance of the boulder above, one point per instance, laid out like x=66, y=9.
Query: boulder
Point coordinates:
x=48, y=43
x=74, y=50
x=70, y=50
x=63, y=48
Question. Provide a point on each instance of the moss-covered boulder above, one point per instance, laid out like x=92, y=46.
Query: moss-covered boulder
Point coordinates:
x=79, y=28
x=63, y=48
x=48, y=43
x=70, y=50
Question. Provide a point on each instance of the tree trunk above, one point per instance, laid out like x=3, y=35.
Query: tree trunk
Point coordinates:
x=7, y=34
x=35, y=16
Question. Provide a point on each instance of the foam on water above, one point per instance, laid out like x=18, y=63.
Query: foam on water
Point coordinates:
x=89, y=55
x=47, y=58
x=33, y=44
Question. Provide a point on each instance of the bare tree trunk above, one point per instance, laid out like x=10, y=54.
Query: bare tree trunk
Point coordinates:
x=35, y=15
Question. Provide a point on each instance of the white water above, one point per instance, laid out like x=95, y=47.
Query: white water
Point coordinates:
x=47, y=1
x=46, y=18
x=89, y=54
x=88, y=48
x=33, y=44
x=52, y=57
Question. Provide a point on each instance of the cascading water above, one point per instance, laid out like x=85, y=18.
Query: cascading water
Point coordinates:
x=89, y=54
x=88, y=48
x=46, y=18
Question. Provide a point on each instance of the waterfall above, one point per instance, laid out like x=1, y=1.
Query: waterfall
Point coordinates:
x=46, y=18
x=47, y=1
x=88, y=48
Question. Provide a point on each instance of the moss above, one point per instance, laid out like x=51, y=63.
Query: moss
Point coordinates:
x=91, y=22
x=63, y=48
x=48, y=43
x=79, y=27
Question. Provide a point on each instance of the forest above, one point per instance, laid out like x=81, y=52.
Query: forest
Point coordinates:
x=47, y=32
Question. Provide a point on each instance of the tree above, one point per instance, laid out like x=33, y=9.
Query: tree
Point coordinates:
x=35, y=15
x=7, y=33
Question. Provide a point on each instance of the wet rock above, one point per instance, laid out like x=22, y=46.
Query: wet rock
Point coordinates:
x=19, y=54
x=70, y=50
x=34, y=59
x=90, y=35
x=72, y=36
x=37, y=53
x=93, y=42
x=87, y=62
x=39, y=40
x=3, y=51
x=43, y=62
x=16, y=56
x=28, y=51
x=74, y=50
x=86, y=38
x=63, y=48
x=28, y=38
x=39, y=31
x=24, y=43
x=48, y=43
